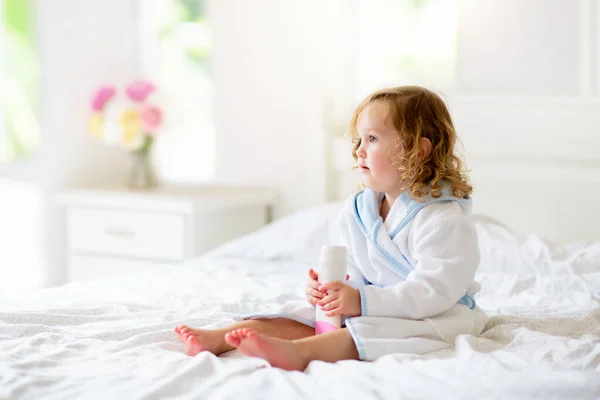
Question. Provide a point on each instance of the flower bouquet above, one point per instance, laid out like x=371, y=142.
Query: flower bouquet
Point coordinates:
x=132, y=122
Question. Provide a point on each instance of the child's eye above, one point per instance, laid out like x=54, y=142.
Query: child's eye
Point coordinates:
x=372, y=138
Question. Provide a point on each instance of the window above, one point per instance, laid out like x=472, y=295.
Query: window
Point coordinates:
x=19, y=80
x=175, y=42
x=474, y=47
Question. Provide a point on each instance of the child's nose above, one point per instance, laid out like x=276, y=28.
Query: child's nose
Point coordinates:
x=361, y=152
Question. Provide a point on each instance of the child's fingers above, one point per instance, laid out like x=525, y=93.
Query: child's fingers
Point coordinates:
x=334, y=312
x=347, y=276
x=314, y=293
x=313, y=274
x=312, y=300
x=332, y=305
x=313, y=284
x=333, y=285
x=329, y=298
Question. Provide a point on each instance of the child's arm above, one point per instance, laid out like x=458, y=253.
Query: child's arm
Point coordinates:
x=446, y=255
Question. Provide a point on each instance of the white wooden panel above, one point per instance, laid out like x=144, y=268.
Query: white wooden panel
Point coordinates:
x=534, y=162
x=142, y=235
x=557, y=202
x=531, y=128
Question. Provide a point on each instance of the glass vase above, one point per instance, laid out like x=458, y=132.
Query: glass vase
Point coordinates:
x=142, y=174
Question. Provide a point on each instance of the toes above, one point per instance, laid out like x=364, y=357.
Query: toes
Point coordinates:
x=235, y=337
x=237, y=333
x=243, y=333
x=232, y=339
x=251, y=335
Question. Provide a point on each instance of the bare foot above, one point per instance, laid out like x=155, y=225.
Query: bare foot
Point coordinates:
x=279, y=353
x=199, y=340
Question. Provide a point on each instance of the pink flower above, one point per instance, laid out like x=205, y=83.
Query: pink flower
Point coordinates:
x=104, y=94
x=151, y=118
x=138, y=91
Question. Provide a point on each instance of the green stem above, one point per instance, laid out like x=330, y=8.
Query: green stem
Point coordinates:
x=145, y=149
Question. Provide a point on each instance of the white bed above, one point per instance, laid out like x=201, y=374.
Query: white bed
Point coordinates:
x=113, y=338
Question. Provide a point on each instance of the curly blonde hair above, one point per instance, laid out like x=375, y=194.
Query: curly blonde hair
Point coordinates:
x=416, y=113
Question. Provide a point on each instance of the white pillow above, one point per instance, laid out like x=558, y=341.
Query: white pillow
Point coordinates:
x=297, y=237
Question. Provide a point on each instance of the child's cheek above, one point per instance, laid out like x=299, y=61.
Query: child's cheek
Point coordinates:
x=379, y=162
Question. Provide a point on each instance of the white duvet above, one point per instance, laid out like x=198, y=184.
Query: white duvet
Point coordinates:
x=113, y=338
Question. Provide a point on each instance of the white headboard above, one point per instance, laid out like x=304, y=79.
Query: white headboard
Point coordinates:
x=535, y=163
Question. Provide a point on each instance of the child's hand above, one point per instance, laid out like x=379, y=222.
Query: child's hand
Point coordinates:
x=341, y=300
x=313, y=295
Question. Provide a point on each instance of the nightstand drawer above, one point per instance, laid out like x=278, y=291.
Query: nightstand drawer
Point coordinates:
x=135, y=234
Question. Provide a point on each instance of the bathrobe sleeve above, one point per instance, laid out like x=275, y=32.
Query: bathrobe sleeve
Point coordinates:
x=445, y=256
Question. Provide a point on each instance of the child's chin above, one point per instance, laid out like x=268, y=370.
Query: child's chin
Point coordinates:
x=372, y=185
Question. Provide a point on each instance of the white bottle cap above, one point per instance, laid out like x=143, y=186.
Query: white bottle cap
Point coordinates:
x=336, y=254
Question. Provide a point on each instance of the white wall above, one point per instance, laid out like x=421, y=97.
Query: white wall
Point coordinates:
x=531, y=48
x=275, y=70
x=81, y=44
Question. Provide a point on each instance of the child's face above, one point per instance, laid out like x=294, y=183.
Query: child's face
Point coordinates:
x=376, y=150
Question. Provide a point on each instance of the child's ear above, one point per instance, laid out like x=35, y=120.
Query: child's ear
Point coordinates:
x=425, y=145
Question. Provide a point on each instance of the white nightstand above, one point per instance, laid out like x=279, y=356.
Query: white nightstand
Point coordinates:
x=111, y=230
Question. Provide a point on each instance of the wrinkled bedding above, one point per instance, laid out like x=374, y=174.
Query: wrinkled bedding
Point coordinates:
x=114, y=338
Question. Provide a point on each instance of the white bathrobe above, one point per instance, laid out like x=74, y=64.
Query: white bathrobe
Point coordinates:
x=415, y=273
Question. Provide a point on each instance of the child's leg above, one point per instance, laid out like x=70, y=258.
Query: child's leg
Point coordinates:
x=198, y=340
x=294, y=354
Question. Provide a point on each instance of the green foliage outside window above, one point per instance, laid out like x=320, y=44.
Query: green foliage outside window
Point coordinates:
x=19, y=80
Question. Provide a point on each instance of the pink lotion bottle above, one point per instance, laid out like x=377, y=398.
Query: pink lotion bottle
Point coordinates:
x=332, y=267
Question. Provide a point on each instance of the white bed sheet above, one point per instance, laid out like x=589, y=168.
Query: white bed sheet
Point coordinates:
x=113, y=338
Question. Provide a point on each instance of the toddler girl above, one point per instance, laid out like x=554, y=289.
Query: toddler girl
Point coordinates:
x=412, y=250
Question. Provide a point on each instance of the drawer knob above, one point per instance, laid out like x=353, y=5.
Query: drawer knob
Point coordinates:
x=119, y=232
